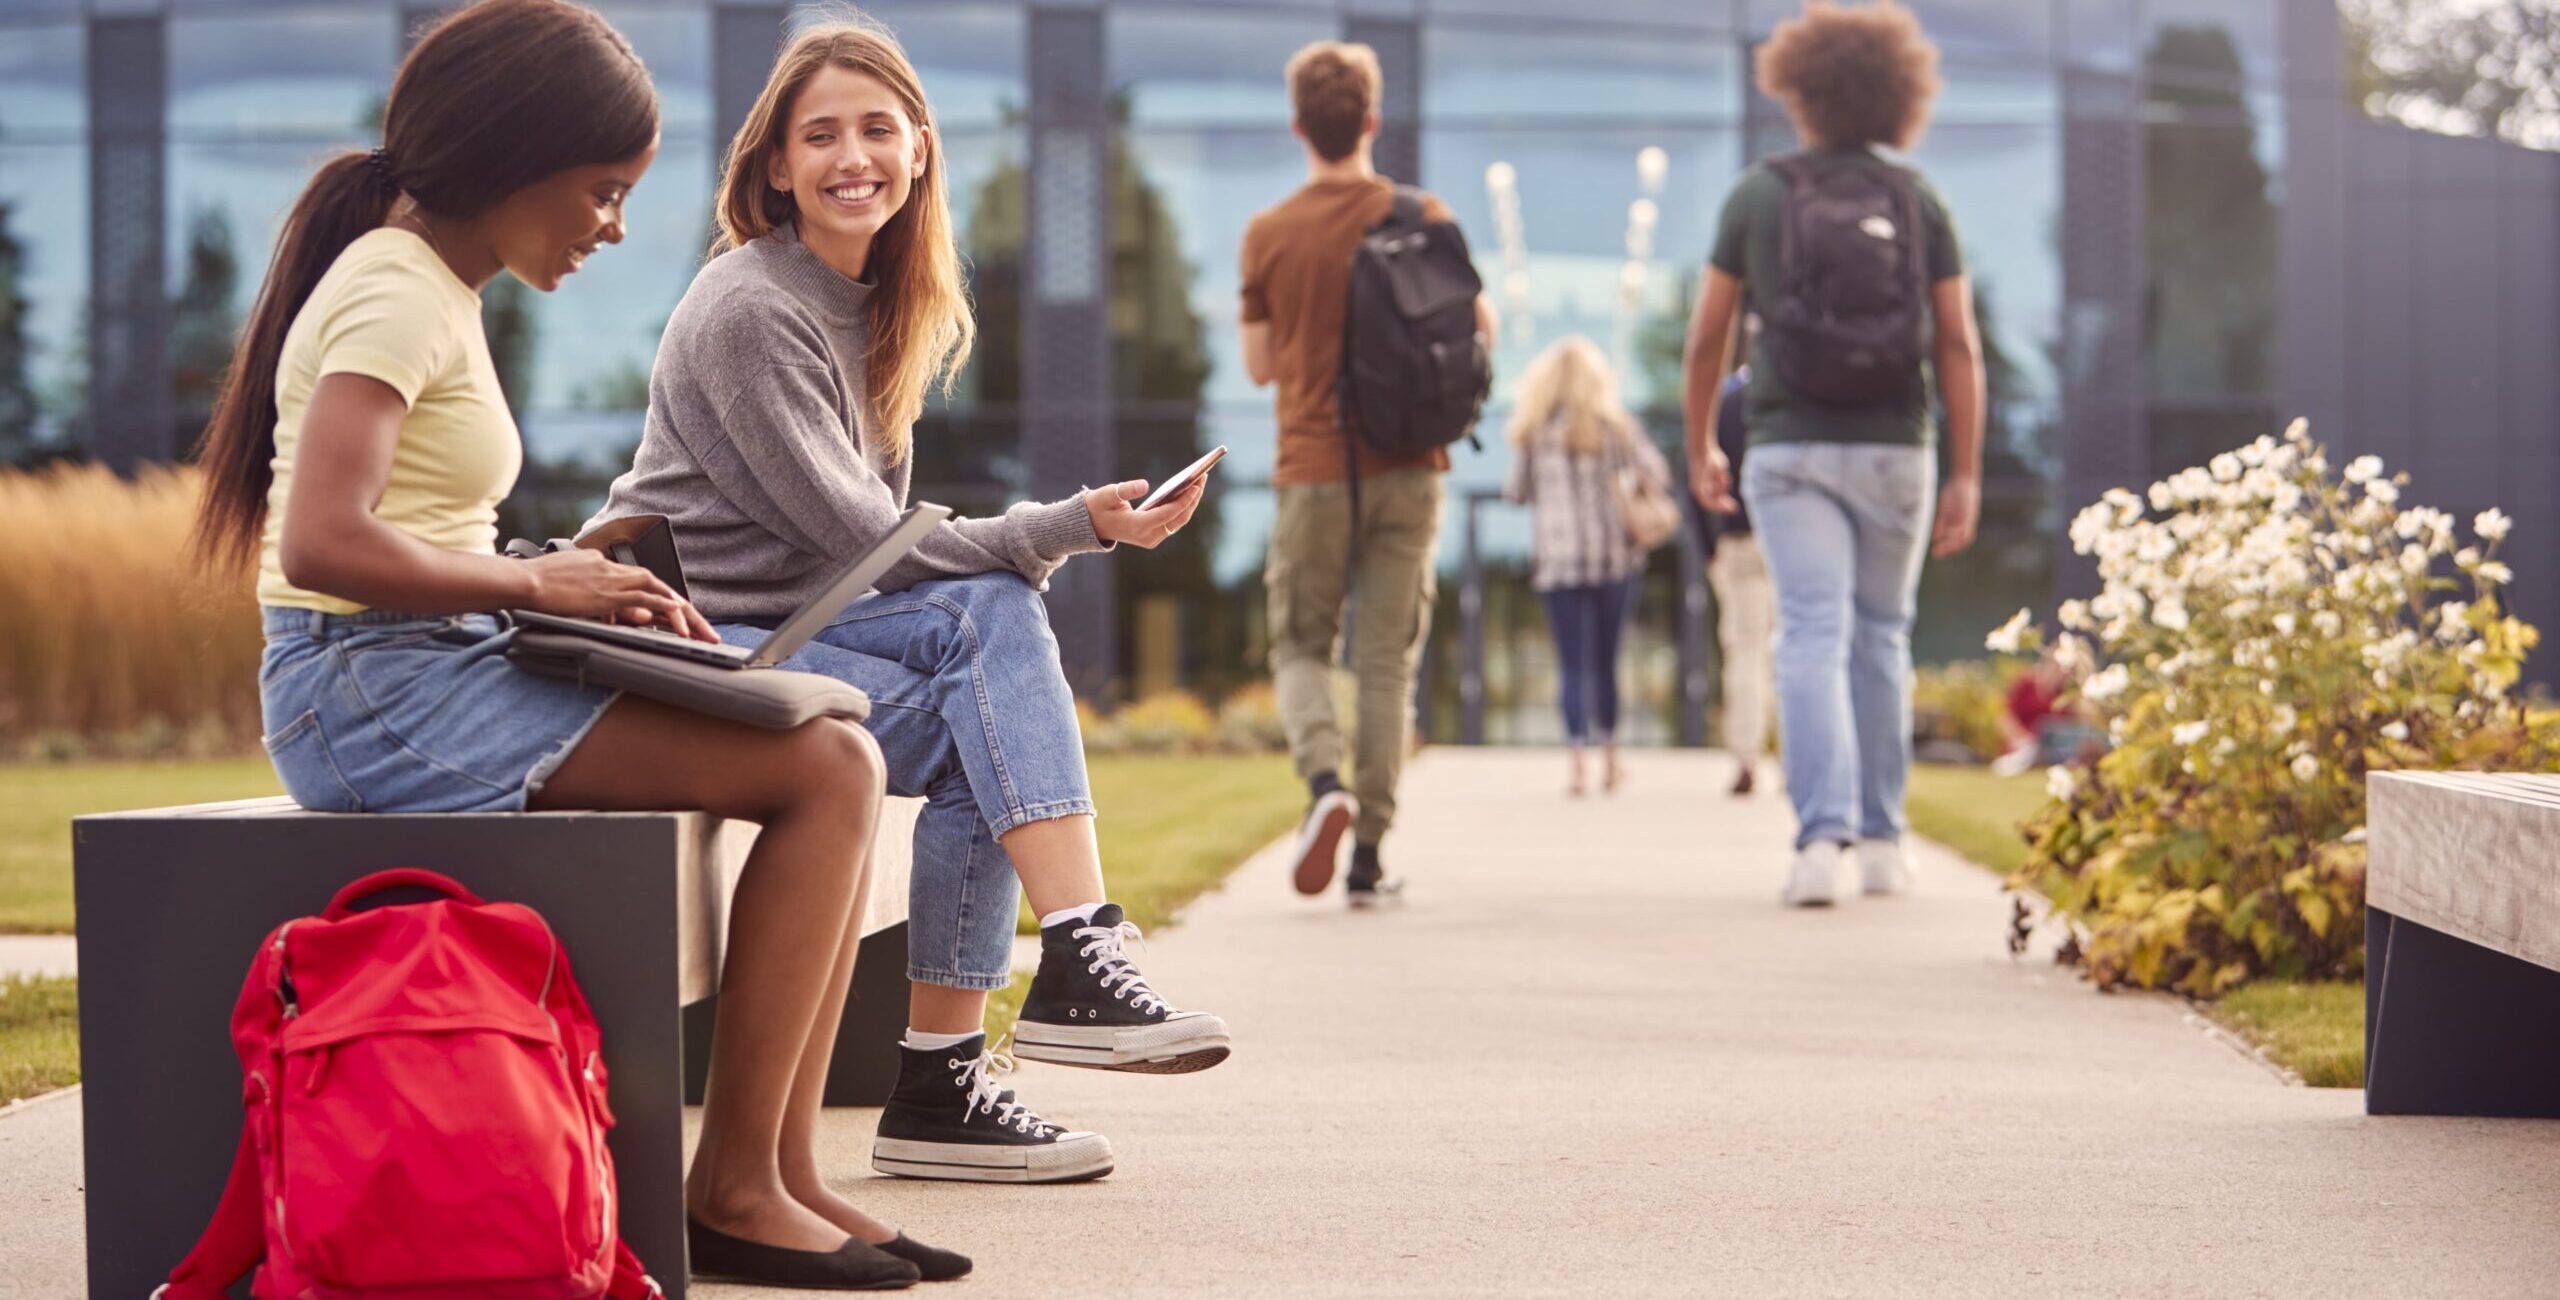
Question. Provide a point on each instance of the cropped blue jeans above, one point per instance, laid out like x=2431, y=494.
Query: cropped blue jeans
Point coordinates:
x=973, y=713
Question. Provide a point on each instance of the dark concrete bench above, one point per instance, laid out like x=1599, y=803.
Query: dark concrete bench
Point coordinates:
x=2462, y=944
x=173, y=901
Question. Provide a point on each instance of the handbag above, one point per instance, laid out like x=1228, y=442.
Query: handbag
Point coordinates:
x=1645, y=507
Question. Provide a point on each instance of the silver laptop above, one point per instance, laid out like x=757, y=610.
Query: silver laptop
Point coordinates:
x=849, y=586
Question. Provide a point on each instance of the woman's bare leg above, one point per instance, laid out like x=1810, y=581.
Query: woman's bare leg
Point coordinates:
x=1058, y=861
x=816, y=792
x=799, y=1149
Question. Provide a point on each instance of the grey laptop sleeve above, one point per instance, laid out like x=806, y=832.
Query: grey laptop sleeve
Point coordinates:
x=777, y=698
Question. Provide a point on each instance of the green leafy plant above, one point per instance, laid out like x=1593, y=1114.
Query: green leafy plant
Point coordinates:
x=2269, y=631
x=1963, y=702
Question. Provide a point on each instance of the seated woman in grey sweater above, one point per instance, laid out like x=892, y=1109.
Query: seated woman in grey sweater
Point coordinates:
x=777, y=445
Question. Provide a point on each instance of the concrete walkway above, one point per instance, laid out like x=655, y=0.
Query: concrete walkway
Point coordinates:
x=1593, y=1057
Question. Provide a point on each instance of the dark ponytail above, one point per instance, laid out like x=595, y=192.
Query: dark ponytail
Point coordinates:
x=497, y=97
x=350, y=196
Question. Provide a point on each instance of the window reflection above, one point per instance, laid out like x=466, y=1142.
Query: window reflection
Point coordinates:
x=1201, y=143
x=969, y=55
x=318, y=74
x=1536, y=77
x=44, y=235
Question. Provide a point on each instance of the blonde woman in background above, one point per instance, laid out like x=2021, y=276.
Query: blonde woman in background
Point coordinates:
x=1572, y=439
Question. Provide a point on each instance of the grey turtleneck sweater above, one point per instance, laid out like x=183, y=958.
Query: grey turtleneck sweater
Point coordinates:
x=761, y=452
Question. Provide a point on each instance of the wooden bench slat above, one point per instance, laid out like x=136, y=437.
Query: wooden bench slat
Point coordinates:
x=2473, y=854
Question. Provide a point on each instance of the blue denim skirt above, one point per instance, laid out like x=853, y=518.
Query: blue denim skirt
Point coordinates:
x=388, y=712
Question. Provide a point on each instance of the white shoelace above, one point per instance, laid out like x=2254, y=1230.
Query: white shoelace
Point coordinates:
x=986, y=1098
x=1105, y=957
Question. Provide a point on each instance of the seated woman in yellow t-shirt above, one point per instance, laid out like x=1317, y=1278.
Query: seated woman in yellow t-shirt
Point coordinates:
x=358, y=455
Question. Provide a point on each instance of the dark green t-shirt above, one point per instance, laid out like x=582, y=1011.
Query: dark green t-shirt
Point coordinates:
x=1747, y=249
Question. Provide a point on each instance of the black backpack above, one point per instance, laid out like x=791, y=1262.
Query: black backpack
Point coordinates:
x=1847, y=327
x=1415, y=373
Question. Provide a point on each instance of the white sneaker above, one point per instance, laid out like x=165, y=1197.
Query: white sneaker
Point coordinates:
x=1814, y=879
x=1884, y=867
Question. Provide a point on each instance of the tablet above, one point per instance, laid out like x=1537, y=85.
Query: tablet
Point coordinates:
x=1171, y=486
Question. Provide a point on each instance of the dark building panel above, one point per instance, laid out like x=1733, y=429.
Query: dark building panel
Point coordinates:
x=2381, y=364
x=2106, y=438
x=1067, y=437
x=745, y=39
x=129, y=401
x=1399, y=46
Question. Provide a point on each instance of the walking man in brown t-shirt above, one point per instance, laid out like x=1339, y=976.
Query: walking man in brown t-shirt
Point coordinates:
x=1296, y=278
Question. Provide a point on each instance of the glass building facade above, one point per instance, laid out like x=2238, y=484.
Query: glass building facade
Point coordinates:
x=2115, y=168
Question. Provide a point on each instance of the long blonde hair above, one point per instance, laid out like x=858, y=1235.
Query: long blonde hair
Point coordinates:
x=1569, y=391
x=921, y=328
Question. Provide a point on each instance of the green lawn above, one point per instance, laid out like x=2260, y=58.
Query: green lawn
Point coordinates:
x=2315, y=1030
x=1170, y=828
x=39, y=1036
x=38, y=801
x=1973, y=812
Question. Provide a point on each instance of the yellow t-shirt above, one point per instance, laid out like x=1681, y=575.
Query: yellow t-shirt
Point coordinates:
x=390, y=309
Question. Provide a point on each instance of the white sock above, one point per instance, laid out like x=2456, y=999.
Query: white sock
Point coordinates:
x=924, y=1042
x=1084, y=913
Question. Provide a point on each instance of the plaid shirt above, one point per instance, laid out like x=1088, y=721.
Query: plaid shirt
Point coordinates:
x=1576, y=537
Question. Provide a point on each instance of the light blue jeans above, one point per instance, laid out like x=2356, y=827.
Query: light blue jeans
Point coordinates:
x=1844, y=527
x=974, y=714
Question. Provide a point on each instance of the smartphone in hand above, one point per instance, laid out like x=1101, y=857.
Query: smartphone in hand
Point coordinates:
x=1172, y=487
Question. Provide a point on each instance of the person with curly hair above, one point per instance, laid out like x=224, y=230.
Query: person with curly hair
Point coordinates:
x=1850, y=259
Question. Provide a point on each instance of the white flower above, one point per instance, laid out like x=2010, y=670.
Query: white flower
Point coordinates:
x=2108, y=683
x=2284, y=718
x=2363, y=468
x=2071, y=654
x=2225, y=468
x=2284, y=624
x=2171, y=615
x=2327, y=623
x=2008, y=636
x=2305, y=768
x=2494, y=573
x=2396, y=730
x=2413, y=560
x=2188, y=733
x=2059, y=782
x=2074, y=615
x=2492, y=524
x=2467, y=556
x=2455, y=620
x=2383, y=490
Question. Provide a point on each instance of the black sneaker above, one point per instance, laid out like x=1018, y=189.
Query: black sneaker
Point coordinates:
x=1369, y=885
x=1329, y=816
x=948, y=1119
x=1089, y=1006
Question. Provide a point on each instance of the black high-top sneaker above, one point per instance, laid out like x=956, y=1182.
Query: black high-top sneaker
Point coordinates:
x=1089, y=1006
x=1330, y=812
x=947, y=1118
x=1368, y=884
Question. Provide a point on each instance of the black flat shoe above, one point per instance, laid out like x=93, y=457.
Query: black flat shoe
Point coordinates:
x=937, y=1264
x=857, y=1265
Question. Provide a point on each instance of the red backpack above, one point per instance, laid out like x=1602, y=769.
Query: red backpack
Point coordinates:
x=426, y=1113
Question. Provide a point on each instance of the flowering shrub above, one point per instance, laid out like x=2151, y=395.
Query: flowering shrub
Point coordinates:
x=2268, y=632
x=1963, y=703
